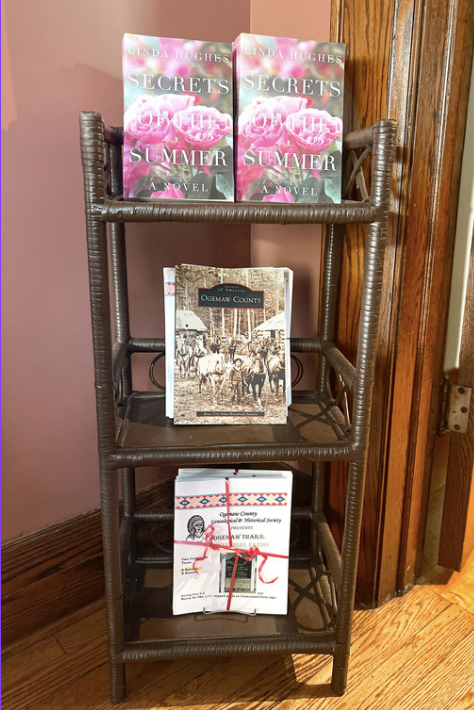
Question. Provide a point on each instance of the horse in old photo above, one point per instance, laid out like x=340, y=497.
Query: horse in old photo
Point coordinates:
x=276, y=371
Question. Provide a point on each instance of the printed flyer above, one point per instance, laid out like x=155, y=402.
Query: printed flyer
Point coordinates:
x=231, y=541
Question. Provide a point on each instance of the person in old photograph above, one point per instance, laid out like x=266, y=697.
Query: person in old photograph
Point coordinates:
x=237, y=381
x=196, y=526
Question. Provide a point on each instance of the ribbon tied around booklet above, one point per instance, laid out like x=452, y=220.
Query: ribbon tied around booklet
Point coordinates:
x=247, y=554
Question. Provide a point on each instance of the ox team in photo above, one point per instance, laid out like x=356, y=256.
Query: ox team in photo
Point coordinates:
x=231, y=346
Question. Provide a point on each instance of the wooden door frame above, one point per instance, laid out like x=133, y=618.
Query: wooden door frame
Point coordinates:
x=457, y=528
x=409, y=60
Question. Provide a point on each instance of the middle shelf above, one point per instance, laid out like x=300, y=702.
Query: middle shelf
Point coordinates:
x=315, y=429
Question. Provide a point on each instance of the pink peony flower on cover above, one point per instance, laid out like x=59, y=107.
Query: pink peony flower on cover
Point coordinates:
x=169, y=194
x=246, y=174
x=262, y=122
x=178, y=67
x=282, y=196
x=292, y=68
x=202, y=126
x=132, y=172
x=148, y=119
x=314, y=130
x=286, y=45
x=171, y=46
x=133, y=60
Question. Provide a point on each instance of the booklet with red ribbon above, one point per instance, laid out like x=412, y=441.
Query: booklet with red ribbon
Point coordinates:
x=231, y=541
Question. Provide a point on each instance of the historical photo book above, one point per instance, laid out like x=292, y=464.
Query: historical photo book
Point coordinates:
x=231, y=347
x=231, y=541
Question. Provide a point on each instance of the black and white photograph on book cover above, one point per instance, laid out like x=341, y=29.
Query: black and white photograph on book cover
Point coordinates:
x=231, y=348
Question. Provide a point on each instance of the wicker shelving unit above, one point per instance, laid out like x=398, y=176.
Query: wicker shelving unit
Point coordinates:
x=328, y=423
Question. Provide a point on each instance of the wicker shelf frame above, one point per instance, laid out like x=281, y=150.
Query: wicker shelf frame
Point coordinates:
x=133, y=431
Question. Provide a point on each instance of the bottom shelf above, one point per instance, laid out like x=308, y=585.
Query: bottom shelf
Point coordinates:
x=152, y=631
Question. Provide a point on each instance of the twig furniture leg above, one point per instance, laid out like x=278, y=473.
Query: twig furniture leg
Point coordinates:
x=93, y=162
x=331, y=277
x=370, y=314
x=113, y=581
x=346, y=591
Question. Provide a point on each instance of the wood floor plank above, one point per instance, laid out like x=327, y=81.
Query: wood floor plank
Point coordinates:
x=410, y=648
x=148, y=683
x=38, y=685
x=414, y=665
x=255, y=687
x=75, y=636
x=206, y=690
x=383, y=685
x=462, y=594
x=459, y=588
x=377, y=635
x=51, y=629
x=38, y=659
x=246, y=686
x=162, y=680
x=450, y=684
x=275, y=686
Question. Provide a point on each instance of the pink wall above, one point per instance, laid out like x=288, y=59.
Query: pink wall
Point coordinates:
x=64, y=57
x=61, y=57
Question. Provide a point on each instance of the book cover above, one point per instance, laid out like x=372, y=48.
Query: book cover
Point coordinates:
x=231, y=541
x=178, y=127
x=232, y=347
x=289, y=98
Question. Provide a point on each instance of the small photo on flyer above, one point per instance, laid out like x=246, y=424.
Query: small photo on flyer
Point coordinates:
x=245, y=576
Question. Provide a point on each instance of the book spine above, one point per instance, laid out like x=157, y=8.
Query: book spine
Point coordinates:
x=289, y=97
x=178, y=127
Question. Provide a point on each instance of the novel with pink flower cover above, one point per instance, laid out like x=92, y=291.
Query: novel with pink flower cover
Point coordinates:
x=178, y=126
x=289, y=98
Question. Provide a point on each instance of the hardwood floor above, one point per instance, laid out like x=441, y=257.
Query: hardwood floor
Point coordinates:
x=416, y=651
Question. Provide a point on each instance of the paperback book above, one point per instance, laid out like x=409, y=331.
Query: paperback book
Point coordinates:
x=231, y=541
x=170, y=321
x=289, y=99
x=178, y=126
x=231, y=345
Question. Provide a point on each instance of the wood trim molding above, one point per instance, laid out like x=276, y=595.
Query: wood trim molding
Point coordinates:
x=406, y=60
x=457, y=529
x=446, y=48
x=58, y=570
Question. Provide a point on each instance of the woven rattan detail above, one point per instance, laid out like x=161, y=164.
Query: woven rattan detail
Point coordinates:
x=329, y=423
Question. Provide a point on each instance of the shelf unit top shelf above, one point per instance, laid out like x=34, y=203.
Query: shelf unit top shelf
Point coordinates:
x=106, y=204
x=119, y=210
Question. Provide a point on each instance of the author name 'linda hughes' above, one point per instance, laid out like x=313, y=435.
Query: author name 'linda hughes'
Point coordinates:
x=145, y=51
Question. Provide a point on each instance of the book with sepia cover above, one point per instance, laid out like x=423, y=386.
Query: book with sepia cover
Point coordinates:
x=232, y=348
